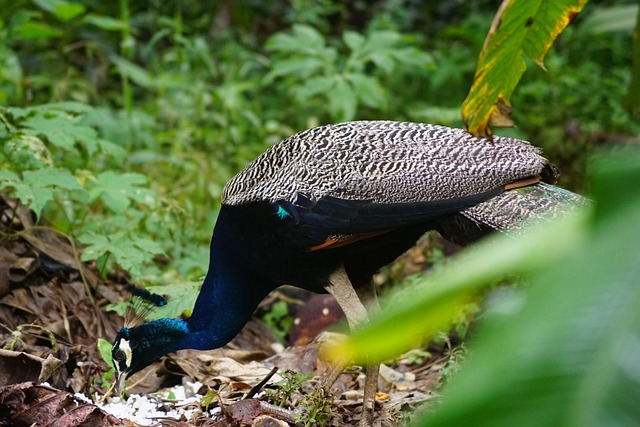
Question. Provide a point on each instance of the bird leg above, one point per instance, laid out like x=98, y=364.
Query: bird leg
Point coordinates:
x=351, y=303
x=372, y=371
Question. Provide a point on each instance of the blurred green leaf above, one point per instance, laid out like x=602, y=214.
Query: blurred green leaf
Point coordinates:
x=566, y=354
x=62, y=131
x=29, y=151
x=105, y=22
x=631, y=100
x=613, y=18
x=302, y=39
x=342, y=100
x=66, y=11
x=300, y=66
x=314, y=86
x=37, y=30
x=37, y=188
x=429, y=306
x=127, y=249
x=137, y=74
x=367, y=89
x=104, y=348
x=63, y=10
x=353, y=40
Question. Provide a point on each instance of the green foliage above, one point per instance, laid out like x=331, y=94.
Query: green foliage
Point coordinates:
x=278, y=319
x=313, y=409
x=36, y=188
x=316, y=69
x=316, y=409
x=291, y=382
x=524, y=27
x=180, y=298
x=45, y=148
x=104, y=348
x=416, y=357
x=128, y=250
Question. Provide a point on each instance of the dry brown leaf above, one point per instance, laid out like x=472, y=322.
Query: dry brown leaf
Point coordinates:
x=27, y=404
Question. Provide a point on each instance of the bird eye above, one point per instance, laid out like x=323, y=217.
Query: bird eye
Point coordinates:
x=119, y=355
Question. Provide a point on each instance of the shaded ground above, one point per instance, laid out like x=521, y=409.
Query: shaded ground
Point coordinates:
x=52, y=312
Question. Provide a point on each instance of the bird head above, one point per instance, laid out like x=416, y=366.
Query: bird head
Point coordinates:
x=138, y=347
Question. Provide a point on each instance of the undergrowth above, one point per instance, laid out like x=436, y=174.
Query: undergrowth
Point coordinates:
x=121, y=121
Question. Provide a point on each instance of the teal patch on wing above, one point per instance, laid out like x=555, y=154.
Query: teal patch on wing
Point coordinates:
x=282, y=213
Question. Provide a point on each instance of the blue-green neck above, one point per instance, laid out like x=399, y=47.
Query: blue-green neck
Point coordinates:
x=232, y=289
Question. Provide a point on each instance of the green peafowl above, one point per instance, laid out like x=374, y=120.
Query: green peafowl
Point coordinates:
x=326, y=208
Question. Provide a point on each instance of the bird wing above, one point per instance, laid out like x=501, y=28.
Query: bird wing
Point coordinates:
x=333, y=222
x=348, y=181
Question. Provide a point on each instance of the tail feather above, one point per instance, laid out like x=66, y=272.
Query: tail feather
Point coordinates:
x=512, y=210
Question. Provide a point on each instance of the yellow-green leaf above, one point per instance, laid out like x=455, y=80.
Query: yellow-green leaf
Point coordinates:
x=521, y=27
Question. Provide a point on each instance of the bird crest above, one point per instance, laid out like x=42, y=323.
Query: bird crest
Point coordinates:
x=141, y=304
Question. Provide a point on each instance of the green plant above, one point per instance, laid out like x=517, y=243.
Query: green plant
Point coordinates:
x=316, y=409
x=342, y=74
x=582, y=302
x=19, y=331
x=313, y=409
x=46, y=153
x=291, y=382
x=104, y=348
x=416, y=357
x=278, y=319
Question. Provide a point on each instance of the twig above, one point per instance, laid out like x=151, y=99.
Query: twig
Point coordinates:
x=261, y=384
x=107, y=393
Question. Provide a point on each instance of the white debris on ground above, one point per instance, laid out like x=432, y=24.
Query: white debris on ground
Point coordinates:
x=147, y=410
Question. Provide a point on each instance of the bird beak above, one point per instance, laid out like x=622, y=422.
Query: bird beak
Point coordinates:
x=121, y=379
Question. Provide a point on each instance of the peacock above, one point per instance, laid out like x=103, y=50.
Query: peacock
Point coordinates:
x=325, y=208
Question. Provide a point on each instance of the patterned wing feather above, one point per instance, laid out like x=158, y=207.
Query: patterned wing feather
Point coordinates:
x=383, y=162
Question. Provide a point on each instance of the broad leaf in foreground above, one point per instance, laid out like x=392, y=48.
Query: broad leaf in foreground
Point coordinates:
x=432, y=302
x=569, y=355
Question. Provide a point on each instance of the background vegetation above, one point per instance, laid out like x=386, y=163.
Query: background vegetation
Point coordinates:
x=121, y=121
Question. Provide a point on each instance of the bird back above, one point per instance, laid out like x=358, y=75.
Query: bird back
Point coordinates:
x=383, y=162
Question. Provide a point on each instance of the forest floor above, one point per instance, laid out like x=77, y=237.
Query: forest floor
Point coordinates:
x=53, y=311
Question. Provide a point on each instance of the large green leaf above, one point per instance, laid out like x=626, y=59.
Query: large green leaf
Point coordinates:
x=63, y=10
x=521, y=27
x=180, y=299
x=430, y=304
x=37, y=188
x=62, y=131
x=566, y=354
